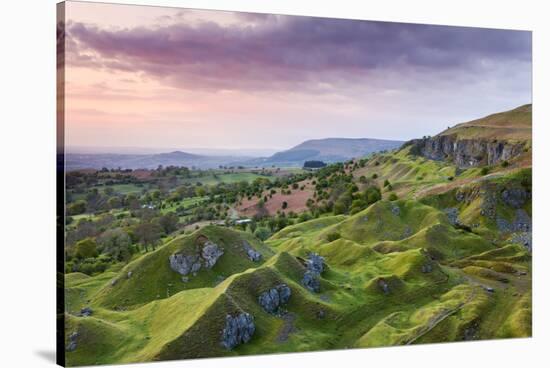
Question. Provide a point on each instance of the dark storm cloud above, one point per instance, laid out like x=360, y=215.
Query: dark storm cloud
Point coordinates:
x=275, y=52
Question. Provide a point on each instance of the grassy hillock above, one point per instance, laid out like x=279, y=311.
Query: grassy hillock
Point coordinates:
x=152, y=278
x=386, y=227
x=411, y=175
x=514, y=125
x=480, y=204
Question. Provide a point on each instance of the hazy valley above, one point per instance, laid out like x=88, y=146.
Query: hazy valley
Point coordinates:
x=329, y=150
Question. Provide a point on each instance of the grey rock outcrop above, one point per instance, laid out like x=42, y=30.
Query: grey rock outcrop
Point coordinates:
x=315, y=265
x=273, y=299
x=252, y=254
x=525, y=238
x=86, y=312
x=185, y=264
x=520, y=223
x=520, y=228
x=515, y=197
x=471, y=332
x=71, y=346
x=238, y=330
x=311, y=281
x=384, y=286
x=466, y=152
x=210, y=254
x=452, y=215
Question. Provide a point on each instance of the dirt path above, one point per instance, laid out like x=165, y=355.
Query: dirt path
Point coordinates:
x=194, y=225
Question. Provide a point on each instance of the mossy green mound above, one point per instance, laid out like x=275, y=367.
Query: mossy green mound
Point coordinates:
x=150, y=277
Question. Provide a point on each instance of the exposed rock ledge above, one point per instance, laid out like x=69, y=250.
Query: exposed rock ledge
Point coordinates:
x=238, y=330
x=192, y=263
x=466, y=152
x=273, y=299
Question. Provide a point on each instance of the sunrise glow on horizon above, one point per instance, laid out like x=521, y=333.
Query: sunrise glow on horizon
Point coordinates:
x=157, y=77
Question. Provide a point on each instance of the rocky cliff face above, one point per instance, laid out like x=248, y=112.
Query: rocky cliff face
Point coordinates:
x=466, y=152
x=192, y=263
x=238, y=330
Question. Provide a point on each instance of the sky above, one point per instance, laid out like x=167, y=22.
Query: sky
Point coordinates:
x=172, y=78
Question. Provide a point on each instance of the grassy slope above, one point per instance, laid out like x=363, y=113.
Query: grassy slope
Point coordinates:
x=410, y=175
x=228, y=178
x=415, y=177
x=153, y=315
x=477, y=193
x=513, y=125
x=152, y=278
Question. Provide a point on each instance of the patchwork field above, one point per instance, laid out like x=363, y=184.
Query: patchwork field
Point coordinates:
x=295, y=200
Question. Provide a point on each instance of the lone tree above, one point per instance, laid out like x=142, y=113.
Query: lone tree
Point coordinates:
x=148, y=233
x=285, y=205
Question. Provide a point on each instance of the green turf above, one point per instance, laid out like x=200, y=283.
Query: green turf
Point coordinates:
x=122, y=188
x=228, y=178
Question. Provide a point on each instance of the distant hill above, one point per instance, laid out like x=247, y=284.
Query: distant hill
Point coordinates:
x=346, y=147
x=326, y=150
x=145, y=161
